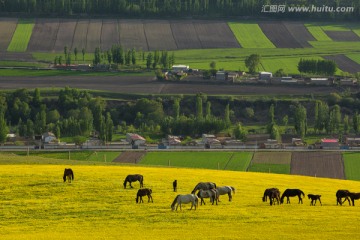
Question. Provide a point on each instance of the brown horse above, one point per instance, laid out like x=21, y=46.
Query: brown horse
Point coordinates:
x=143, y=192
x=292, y=193
x=273, y=194
x=68, y=174
x=353, y=197
x=342, y=194
x=314, y=198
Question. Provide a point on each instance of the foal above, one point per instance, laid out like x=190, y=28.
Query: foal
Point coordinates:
x=175, y=185
x=314, y=198
x=144, y=192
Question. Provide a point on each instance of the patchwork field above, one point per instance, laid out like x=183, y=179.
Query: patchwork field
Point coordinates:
x=7, y=29
x=132, y=34
x=318, y=164
x=271, y=162
x=344, y=63
x=36, y=204
x=65, y=35
x=109, y=33
x=344, y=36
x=159, y=35
x=279, y=35
x=93, y=34
x=44, y=35
x=185, y=35
x=317, y=32
x=300, y=33
x=80, y=35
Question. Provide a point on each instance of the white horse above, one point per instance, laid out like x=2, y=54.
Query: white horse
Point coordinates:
x=226, y=190
x=213, y=194
x=188, y=198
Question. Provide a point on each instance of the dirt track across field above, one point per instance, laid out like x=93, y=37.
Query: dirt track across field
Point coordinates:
x=147, y=85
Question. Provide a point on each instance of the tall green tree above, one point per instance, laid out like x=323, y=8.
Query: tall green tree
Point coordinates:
x=252, y=62
x=3, y=126
x=300, y=120
x=199, y=107
x=109, y=127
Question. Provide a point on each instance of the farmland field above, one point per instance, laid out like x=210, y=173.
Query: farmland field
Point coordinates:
x=279, y=35
x=352, y=166
x=343, y=36
x=65, y=35
x=44, y=35
x=22, y=35
x=185, y=35
x=300, y=33
x=132, y=34
x=344, y=63
x=317, y=32
x=249, y=35
x=270, y=168
x=159, y=35
x=109, y=34
x=36, y=204
x=80, y=35
x=7, y=28
x=93, y=34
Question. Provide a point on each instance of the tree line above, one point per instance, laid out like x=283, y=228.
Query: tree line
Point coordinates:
x=321, y=67
x=170, y=8
x=76, y=113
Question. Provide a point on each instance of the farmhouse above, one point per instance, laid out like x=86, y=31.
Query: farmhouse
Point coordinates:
x=180, y=68
x=352, y=141
x=135, y=139
x=320, y=81
x=327, y=143
x=210, y=141
x=171, y=140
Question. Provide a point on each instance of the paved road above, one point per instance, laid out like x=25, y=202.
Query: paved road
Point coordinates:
x=142, y=85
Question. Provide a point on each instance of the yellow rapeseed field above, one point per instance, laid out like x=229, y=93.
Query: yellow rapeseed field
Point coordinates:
x=35, y=203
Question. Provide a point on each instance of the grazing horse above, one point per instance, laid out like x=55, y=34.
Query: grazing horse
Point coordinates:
x=213, y=194
x=268, y=193
x=188, y=198
x=314, y=198
x=144, y=192
x=353, y=197
x=134, y=178
x=203, y=186
x=292, y=193
x=226, y=190
x=68, y=174
x=342, y=194
x=274, y=195
x=175, y=185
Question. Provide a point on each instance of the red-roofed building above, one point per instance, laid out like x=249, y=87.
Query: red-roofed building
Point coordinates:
x=135, y=139
x=329, y=143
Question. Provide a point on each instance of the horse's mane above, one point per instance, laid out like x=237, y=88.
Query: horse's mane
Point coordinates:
x=175, y=200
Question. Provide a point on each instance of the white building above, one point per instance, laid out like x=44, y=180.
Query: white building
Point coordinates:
x=180, y=68
x=48, y=137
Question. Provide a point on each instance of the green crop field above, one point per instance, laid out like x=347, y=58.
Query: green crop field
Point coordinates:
x=249, y=35
x=96, y=156
x=352, y=165
x=239, y=161
x=36, y=204
x=209, y=160
x=335, y=27
x=317, y=32
x=355, y=57
x=21, y=37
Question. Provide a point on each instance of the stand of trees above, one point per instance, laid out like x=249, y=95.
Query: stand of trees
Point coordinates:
x=170, y=8
x=321, y=67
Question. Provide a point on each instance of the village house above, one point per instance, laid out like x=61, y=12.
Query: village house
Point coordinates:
x=329, y=143
x=135, y=139
x=48, y=137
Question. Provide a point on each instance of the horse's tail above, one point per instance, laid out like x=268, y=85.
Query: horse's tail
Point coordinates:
x=174, y=202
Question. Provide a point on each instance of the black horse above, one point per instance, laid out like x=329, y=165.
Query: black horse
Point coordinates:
x=273, y=194
x=68, y=174
x=175, y=185
x=353, y=197
x=342, y=194
x=292, y=193
x=314, y=198
x=134, y=178
x=144, y=192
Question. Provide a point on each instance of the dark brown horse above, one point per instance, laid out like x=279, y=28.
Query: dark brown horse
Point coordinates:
x=134, y=178
x=273, y=194
x=314, y=198
x=144, y=192
x=342, y=194
x=354, y=196
x=175, y=185
x=68, y=174
x=292, y=193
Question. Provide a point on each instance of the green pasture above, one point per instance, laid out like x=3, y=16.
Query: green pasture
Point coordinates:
x=94, y=156
x=270, y=168
x=239, y=161
x=249, y=35
x=22, y=34
x=352, y=165
x=37, y=204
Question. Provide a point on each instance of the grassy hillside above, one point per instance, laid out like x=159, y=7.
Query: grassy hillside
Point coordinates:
x=36, y=204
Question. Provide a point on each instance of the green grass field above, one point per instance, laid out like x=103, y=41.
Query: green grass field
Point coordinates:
x=352, y=165
x=355, y=57
x=96, y=156
x=239, y=161
x=249, y=35
x=318, y=32
x=36, y=204
x=21, y=37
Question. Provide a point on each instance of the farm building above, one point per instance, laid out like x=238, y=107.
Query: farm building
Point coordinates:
x=221, y=75
x=352, y=141
x=135, y=139
x=265, y=76
x=271, y=144
x=210, y=141
x=48, y=137
x=171, y=140
x=327, y=143
x=180, y=68
x=320, y=81
x=347, y=82
x=232, y=76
